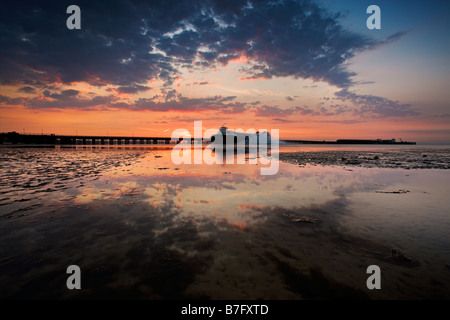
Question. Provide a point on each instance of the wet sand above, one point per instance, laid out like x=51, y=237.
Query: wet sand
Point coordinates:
x=418, y=158
x=140, y=227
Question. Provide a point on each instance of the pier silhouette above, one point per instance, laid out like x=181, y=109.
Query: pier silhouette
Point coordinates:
x=54, y=139
x=14, y=138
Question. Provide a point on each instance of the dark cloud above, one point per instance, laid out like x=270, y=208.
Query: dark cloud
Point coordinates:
x=298, y=39
x=445, y=115
x=277, y=112
x=228, y=98
x=127, y=43
x=282, y=120
x=66, y=99
x=345, y=121
x=62, y=95
x=172, y=95
x=394, y=37
x=60, y=101
x=176, y=101
x=376, y=107
x=27, y=89
x=304, y=110
x=111, y=47
x=273, y=111
x=133, y=89
x=335, y=110
x=170, y=101
x=288, y=98
x=5, y=100
x=366, y=106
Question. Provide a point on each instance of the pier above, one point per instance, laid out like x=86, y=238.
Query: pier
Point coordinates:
x=350, y=141
x=14, y=138
x=53, y=139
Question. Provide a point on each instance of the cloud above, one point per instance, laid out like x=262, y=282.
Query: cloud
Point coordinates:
x=273, y=111
x=69, y=102
x=345, y=121
x=282, y=120
x=169, y=101
x=335, y=110
x=394, y=37
x=5, y=100
x=365, y=106
x=62, y=95
x=27, y=89
x=66, y=99
x=127, y=43
x=443, y=116
x=174, y=101
x=305, y=110
x=109, y=49
x=197, y=83
x=133, y=89
x=278, y=113
x=376, y=107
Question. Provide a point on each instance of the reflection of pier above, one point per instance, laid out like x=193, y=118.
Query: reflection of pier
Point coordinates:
x=52, y=139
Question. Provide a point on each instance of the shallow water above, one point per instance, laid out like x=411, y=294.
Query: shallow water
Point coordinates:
x=141, y=227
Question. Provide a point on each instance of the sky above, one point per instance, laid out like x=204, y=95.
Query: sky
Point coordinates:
x=311, y=69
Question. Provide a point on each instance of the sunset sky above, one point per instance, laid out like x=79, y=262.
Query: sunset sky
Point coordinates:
x=311, y=69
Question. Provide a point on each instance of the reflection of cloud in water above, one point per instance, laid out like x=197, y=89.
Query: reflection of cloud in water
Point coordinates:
x=89, y=194
x=221, y=193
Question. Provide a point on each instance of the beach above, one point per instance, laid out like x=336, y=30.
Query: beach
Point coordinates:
x=141, y=227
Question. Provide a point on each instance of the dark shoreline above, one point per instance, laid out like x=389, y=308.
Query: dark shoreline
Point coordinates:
x=353, y=142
